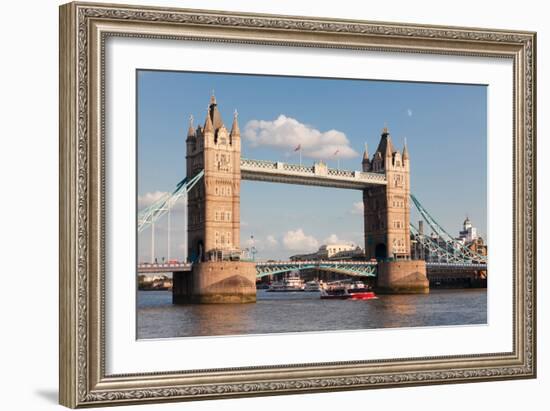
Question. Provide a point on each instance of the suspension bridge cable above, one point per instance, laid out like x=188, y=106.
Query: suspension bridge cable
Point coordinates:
x=441, y=232
x=152, y=213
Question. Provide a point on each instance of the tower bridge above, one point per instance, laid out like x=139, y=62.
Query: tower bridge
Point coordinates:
x=212, y=192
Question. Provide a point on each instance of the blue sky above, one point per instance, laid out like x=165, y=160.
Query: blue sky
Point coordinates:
x=445, y=127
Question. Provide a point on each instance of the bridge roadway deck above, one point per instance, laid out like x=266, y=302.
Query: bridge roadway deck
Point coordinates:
x=317, y=175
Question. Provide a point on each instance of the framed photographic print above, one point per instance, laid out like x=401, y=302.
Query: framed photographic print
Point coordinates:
x=259, y=204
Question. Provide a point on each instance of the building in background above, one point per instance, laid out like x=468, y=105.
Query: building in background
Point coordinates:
x=478, y=246
x=332, y=252
x=468, y=237
x=468, y=233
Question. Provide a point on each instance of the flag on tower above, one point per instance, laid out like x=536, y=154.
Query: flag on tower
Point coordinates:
x=299, y=150
x=337, y=158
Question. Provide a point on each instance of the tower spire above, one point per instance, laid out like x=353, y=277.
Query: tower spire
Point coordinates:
x=191, y=130
x=235, y=131
x=366, y=154
x=366, y=161
x=405, y=150
x=208, y=127
x=385, y=147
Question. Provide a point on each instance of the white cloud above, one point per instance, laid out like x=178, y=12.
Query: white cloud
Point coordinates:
x=147, y=199
x=150, y=198
x=298, y=241
x=358, y=208
x=286, y=133
x=272, y=241
x=334, y=239
x=409, y=112
x=260, y=243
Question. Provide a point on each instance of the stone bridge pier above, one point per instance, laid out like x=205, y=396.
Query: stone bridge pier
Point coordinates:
x=402, y=277
x=213, y=282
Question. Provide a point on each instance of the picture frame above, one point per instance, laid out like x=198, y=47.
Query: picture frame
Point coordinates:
x=84, y=30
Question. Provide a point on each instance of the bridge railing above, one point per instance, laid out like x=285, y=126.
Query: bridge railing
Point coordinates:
x=265, y=164
x=346, y=267
x=479, y=266
x=315, y=262
x=274, y=166
x=341, y=173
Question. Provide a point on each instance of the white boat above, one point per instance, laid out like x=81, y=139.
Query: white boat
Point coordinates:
x=291, y=283
x=312, y=286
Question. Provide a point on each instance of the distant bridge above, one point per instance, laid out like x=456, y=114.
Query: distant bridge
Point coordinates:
x=352, y=268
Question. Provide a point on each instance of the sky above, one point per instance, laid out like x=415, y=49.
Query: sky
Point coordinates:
x=445, y=126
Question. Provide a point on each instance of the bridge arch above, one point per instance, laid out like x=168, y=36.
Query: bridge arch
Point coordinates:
x=380, y=251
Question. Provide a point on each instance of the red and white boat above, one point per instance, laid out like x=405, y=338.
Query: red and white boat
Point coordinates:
x=347, y=291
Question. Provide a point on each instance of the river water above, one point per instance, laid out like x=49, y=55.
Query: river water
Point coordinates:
x=282, y=312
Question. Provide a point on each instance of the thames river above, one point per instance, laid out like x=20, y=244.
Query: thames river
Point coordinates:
x=282, y=312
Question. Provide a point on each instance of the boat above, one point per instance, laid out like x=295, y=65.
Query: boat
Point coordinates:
x=364, y=295
x=335, y=294
x=312, y=286
x=357, y=287
x=345, y=294
x=291, y=283
x=344, y=290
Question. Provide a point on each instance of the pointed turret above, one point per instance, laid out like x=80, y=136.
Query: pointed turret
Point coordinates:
x=214, y=113
x=405, y=151
x=366, y=161
x=235, y=131
x=208, y=127
x=385, y=147
x=366, y=153
x=191, y=130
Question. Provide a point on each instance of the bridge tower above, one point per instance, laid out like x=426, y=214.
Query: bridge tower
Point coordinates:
x=214, y=203
x=387, y=220
x=386, y=208
x=214, y=216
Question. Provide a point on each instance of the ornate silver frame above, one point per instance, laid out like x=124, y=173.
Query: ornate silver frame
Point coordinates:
x=83, y=30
